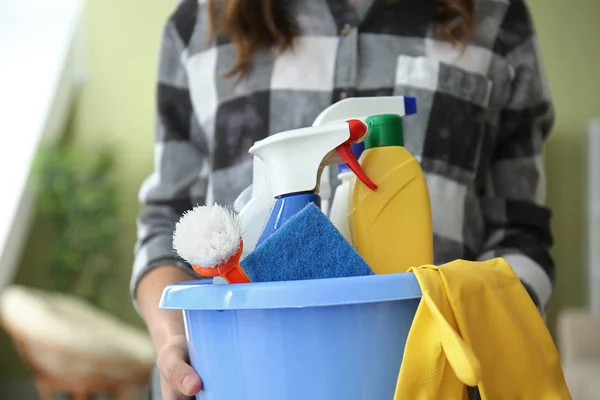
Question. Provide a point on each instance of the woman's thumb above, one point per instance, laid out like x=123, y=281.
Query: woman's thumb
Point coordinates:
x=180, y=375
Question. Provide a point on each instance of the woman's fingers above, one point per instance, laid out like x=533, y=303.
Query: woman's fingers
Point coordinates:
x=168, y=393
x=180, y=377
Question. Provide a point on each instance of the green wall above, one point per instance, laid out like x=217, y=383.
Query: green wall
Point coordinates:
x=117, y=105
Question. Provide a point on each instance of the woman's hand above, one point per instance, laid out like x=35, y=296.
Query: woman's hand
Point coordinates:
x=177, y=378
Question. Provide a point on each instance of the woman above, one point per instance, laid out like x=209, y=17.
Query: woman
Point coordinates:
x=260, y=67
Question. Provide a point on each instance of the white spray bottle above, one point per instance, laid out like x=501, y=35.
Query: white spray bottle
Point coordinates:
x=341, y=199
x=254, y=214
x=295, y=160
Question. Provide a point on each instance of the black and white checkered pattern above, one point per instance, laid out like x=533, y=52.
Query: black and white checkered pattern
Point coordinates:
x=483, y=115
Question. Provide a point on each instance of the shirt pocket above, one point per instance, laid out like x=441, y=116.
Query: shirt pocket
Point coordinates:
x=452, y=104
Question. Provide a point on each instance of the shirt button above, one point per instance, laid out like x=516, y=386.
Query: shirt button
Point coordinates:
x=346, y=30
x=343, y=95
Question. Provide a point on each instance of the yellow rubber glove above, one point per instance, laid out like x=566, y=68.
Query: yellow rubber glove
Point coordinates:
x=477, y=325
x=427, y=369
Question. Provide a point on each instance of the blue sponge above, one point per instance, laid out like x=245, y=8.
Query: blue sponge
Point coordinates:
x=307, y=246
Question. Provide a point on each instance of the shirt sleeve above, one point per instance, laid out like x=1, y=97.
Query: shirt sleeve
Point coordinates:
x=179, y=178
x=517, y=219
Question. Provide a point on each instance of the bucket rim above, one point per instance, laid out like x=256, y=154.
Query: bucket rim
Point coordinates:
x=205, y=295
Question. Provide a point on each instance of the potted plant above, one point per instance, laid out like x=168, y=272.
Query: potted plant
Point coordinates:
x=78, y=199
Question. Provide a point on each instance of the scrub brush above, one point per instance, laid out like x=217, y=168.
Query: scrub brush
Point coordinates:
x=210, y=239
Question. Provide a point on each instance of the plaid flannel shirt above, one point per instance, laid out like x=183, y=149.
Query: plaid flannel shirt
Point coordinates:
x=484, y=113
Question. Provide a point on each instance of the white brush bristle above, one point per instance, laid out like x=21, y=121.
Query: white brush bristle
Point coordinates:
x=207, y=236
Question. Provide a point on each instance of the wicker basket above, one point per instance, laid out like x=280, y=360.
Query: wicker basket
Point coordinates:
x=49, y=359
x=60, y=368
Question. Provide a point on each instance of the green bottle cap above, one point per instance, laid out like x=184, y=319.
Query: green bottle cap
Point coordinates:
x=384, y=130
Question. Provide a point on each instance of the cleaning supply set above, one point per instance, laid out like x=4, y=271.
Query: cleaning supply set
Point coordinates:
x=294, y=161
x=342, y=305
x=254, y=204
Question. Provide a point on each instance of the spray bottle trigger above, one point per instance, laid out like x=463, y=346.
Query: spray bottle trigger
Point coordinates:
x=345, y=151
x=358, y=131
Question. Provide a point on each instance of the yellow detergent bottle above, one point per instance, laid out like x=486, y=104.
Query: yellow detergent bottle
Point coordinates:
x=391, y=227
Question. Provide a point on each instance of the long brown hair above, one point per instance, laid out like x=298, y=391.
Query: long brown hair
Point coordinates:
x=252, y=25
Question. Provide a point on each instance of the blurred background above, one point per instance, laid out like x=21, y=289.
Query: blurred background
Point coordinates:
x=87, y=76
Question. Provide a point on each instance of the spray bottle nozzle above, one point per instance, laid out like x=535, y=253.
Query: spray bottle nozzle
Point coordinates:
x=358, y=131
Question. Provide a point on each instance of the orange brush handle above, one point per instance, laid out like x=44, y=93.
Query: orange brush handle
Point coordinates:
x=229, y=270
x=235, y=275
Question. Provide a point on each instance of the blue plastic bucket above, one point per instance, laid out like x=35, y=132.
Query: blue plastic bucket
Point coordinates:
x=326, y=339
